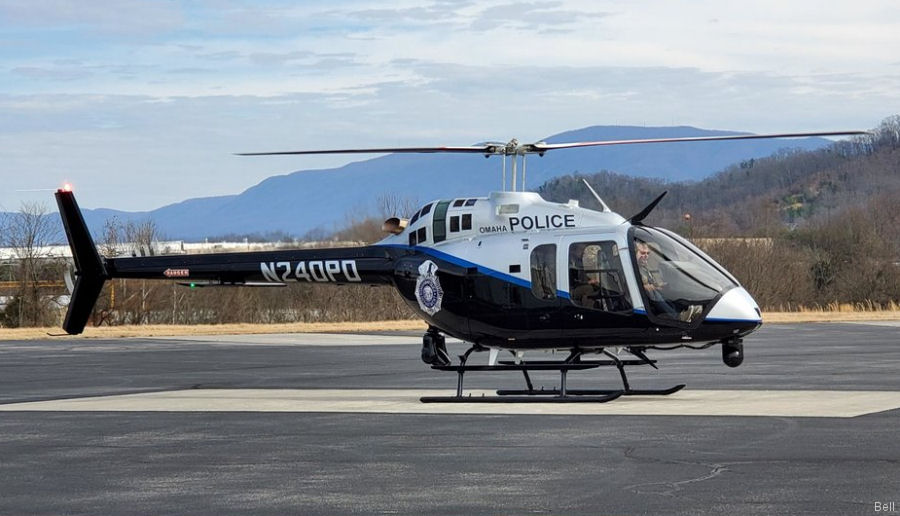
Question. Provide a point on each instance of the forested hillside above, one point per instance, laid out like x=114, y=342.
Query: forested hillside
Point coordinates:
x=757, y=196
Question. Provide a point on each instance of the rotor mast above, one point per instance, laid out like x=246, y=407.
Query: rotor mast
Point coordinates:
x=512, y=150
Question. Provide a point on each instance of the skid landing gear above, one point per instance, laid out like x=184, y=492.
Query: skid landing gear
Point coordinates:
x=561, y=395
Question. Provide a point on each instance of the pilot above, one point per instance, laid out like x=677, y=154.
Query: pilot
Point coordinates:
x=651, y=280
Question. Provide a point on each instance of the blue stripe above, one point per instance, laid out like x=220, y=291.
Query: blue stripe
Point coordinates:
x=464, y=263
x=711, y=319
x=487, y=271
x=716, y=319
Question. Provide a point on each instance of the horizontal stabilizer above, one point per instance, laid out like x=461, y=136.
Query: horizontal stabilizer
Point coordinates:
x=199, y=284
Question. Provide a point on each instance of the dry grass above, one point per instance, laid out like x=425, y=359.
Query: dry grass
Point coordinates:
x=106, y=332
x=827, y=316
x=847, y=314
x=836, y=312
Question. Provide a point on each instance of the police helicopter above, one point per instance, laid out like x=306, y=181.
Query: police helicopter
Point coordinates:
x=508, y=272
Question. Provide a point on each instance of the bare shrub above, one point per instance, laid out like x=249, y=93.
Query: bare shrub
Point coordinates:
x=28, y=232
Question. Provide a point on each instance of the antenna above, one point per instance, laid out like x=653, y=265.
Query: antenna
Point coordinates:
x=605, y=207
x=640, y=216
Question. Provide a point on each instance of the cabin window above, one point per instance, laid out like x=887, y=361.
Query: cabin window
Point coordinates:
x=426, y=209
x=454, y=224
x=596, y=279
x=439, y=222
x=543, y=271
x=471, y=202
x=459, y=202
x=467, y=221
x=414, y=219
x=412, y=238
x=421, y=235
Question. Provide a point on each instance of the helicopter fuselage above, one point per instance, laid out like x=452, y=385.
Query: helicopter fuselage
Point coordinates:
x=515, y=271
x=510, y=270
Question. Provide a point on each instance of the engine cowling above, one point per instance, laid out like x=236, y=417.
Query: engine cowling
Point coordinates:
x=394, y=225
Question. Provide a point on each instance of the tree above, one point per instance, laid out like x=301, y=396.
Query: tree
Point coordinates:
x=28, y=233
x=119, y=303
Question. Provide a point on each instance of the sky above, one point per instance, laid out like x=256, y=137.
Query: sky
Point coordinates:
x=139, y=104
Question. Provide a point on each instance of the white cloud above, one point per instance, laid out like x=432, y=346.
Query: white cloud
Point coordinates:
x=158, y=94
x=124, y=17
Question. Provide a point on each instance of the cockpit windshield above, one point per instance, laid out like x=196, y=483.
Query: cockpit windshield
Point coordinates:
x=679, y=284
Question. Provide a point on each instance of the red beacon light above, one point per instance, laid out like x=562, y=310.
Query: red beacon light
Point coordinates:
x=66, y=188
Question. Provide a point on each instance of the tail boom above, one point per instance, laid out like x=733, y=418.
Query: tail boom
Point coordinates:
x=351, y=265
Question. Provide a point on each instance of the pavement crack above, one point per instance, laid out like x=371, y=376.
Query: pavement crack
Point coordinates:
x=670, y=488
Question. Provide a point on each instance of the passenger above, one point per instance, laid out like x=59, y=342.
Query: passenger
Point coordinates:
x=583, y=288
x=585, y=294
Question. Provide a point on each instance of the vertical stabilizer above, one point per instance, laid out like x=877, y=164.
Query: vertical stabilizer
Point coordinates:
x=90, y=273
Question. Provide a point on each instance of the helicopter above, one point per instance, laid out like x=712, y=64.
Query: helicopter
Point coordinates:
x=507, y=272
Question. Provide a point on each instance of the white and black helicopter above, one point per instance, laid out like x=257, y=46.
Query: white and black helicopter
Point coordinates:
x=510, y=271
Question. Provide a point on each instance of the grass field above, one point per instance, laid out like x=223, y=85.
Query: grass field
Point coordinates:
x=108, y=332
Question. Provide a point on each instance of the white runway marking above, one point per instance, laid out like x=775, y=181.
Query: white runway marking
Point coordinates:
x=685, y=403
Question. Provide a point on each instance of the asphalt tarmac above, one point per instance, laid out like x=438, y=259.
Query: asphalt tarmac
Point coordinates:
x=330, y=424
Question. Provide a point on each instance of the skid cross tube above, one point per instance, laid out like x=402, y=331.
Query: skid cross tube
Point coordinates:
x=615, y=361
x=563, y=394
x=562, y=367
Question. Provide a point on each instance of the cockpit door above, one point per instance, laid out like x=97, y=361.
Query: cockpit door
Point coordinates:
x=598, y=302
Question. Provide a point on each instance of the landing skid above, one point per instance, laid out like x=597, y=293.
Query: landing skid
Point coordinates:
x=520, y=399
x=561, y=395
x=592, y=392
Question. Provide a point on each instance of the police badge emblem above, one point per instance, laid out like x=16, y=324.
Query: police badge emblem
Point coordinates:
x=428, y=288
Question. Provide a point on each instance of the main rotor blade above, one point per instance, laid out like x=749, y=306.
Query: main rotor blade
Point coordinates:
x=484, y=149
x=543, y=147
x=515, y=148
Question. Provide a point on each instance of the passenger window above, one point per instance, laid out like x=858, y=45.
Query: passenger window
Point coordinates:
x=454, y=224
x=467, y=221
x=543, y=271
x=426, y=210
x=439, y=222
x=412, y=238
x=414, y=219
x=459, y=202
x=422, y=235
x=471, y=202
x=596, y=279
